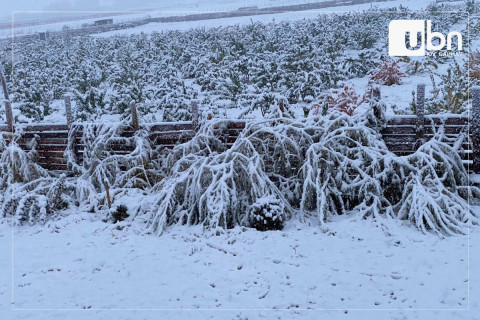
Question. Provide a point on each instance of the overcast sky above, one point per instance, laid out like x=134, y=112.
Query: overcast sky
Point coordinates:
x=8, y=6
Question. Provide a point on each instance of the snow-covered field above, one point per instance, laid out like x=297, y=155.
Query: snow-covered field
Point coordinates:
x=287, y=16
x=81, y=268
x=175, y=8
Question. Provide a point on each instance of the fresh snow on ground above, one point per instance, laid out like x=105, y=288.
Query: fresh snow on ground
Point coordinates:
x=174, y=8
x=350, y=269
x=266, y=18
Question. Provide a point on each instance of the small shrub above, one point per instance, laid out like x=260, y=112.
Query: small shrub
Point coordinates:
x=120, y=214
x=365, y=38
x=30, y=110
x=267, y=214
x=474, y=65
x=452, y=93
x=387, y=73
x=421, y=66
x=470, y=6
x=345, y=100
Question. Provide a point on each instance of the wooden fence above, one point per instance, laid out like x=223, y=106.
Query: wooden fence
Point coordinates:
x=402, y=134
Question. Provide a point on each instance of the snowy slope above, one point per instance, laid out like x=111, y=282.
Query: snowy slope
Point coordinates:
x=355, y=269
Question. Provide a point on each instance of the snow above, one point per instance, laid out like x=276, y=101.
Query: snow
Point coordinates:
x=79, y=266
x=174, y=8
x=354, y=269
x=288, y=16
x=475, y=178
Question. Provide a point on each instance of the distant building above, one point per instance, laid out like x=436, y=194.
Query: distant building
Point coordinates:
x=102, y=22
x=44, y=35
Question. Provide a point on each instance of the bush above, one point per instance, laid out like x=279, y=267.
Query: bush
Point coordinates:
x=267, y=214
x=32, y=111
x=387, y=73
x=120, y=213
x=420, y=66
x=345, y=100
x=30, y=194
x=209, y=183
x=474, y=65
x=452, y=93
x=295, y=163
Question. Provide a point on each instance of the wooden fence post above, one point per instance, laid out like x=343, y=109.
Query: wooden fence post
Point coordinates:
x=194, y=114
x=133, y=109
x=376, y=97
x=9, y=115
x=8, y=106
x=4, y=83
x=475, y=123
x=68, y=109
x=376, y=94
x=420, y=110
x=107, y=190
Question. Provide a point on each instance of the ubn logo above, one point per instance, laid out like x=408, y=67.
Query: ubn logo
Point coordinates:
x=397, y=33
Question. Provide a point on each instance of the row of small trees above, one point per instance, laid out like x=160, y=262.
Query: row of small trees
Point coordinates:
x=246, y=67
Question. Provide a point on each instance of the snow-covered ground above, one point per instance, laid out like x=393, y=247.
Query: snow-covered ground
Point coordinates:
x=287, y=16
x=79, y=267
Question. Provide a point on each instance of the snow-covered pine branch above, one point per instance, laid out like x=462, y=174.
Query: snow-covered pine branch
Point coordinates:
x=211, y=184
x=29, y=192
x=139, y=166
x=319, y=167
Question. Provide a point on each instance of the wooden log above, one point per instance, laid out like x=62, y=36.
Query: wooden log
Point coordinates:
x=50, y=147
x=54, y=166
x=68, y=109
x=411, y=130
x=46, y=134
x=133, y=109
x=420, y=110
x=9, y=116
x=376, y=97
x=44, y=127
x=55, y=141
x=475, y=124
x=4, y=84
x=195, y=114
x=50, y=154
x=42, y=160
x=162, y=127
x=107, y=189
x=436, y=119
